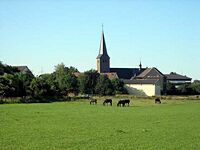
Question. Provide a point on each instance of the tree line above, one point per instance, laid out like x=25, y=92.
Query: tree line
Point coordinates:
x=184, y=89
x=58, y=84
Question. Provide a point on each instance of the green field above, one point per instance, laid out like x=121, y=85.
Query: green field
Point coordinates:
x=77, y=125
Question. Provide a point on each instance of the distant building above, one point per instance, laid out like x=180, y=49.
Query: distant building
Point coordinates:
x=23, y=69
x=138, y=81
x=177, y=79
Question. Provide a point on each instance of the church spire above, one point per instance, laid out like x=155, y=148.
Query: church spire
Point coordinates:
x=103, y=60
x=102, y=48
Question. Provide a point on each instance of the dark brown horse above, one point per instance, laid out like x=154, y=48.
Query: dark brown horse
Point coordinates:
x=107, y=101
x=123, y=102
x=93, y=101
x=157, y=101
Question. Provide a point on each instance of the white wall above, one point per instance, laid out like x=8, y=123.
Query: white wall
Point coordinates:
x=143, y=89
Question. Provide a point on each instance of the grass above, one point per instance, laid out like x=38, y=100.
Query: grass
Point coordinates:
x=174, y=124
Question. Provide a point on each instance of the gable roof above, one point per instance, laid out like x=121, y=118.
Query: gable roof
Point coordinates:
x=24, y=70
x=175, y=76
x=111, y=75
x=141, y=81
x=125, y=73
x=21, y=68
x=150, y=73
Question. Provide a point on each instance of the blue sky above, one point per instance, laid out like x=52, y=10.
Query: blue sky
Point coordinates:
x=43, y=33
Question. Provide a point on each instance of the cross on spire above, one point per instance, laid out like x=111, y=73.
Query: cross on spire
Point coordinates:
x=140, y=65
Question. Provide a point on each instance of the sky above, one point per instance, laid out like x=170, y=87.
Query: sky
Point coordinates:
x=43, y=33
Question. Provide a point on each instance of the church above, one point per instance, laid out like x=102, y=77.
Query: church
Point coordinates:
x=138, y=81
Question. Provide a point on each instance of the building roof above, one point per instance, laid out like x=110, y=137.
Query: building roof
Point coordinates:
x=111, y=75
x=21, y=68
x=150, y=73
x=78, y=74
x=175, y=76
x=141, y=81
x=126, y=73
x=102, y=48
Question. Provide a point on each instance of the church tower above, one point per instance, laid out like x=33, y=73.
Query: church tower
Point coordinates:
x=103, y=60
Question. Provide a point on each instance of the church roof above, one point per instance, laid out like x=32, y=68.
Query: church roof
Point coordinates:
x=175, y=76
x=102, y=48
x=125, y=73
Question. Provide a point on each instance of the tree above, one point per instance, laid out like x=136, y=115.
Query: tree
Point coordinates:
x=184, y=89
x=24, y=83
x=50, y=80
x=39, y=88
x=171, y=89
x=71, y=83
x=5, y=86
x=118, y=86
x=9, y=85
x=104, y=86
x=195, y=87
x=64, y=76
x=88, y=81
x=7, y=69
x=1, y=68
x=196, y=82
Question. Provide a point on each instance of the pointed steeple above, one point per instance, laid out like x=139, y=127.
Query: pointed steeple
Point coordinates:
x=102, y=48
x=103, y=60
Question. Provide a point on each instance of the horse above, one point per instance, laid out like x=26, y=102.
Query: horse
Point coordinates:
x=157, y=101
x=123, y=102
x=93, y=101
x=107, y=101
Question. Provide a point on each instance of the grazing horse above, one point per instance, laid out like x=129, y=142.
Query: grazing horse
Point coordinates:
x=157, y=101
x=108, y=101
x=123, y=102
x=93, y=101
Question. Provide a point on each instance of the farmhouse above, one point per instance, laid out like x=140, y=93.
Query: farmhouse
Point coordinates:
x=138, y=81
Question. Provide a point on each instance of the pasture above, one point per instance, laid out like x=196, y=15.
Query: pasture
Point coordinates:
x=174, y=124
